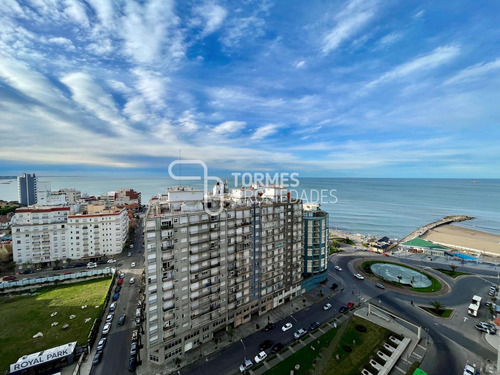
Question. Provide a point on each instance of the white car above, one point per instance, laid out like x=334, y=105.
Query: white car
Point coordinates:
x=91, y=265
x=110, y=317
x=106, y=328
x=328, y=306
x=132, y=280
x=111, y=261
x=338, y=268
x=248, y=363
x=469, y=370
x=132, y=264
x=112, y=307
x=358, y=276
x=286, y=327
x=260, y=357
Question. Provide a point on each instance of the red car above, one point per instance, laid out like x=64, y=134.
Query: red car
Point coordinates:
x=9, y=278
x=120, y=281
x=350, y=305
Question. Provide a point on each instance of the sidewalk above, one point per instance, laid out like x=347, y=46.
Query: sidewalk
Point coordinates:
x=206, y=350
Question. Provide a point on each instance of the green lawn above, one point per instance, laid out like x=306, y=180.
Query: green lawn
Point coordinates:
x=24, y=316
x=363, y=344
x=304, y=356
x=445, y=313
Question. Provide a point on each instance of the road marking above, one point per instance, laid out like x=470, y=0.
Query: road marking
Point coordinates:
x=422, y=347
x=398, y=368
x=417, y=355
x=279, y=357
x=291, y=349
x=265, y=364
x=293, y=317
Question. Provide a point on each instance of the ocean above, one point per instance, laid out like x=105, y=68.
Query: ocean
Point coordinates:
x=369, y=206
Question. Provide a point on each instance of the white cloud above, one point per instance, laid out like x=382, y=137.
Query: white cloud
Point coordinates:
x=152, y=85
x=136, y=109
x=240, y=28
x=188, y=122
x=63, y=42
x=473, y=72
x=229, y=127
x=265, y=131
x=104, y=47
x=389, y=39
x=150, y=32
x=353, y=17
x=75, y=11
x=119, y=86
x=300, y=64
x=213, y=15
x=419, y=14
x=436, y=58
x=94, y=99
x=105, y=11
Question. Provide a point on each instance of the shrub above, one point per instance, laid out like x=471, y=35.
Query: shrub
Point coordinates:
x=360, y=328
x=347, y=348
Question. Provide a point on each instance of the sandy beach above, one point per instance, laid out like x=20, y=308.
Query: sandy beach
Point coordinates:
x=464, y=239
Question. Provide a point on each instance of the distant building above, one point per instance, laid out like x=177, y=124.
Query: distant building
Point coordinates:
x=45, y=196
x=315, y=245
x=72, y=196
x=27, y=189
x=46, y=234
x=206, y=271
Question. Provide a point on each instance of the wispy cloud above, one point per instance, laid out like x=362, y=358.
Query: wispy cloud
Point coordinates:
x=228, y=127
x=474, y=72
x=436, y=58
x=388, y=40
x=213, y=16
x=351, y=19
x=265, y=131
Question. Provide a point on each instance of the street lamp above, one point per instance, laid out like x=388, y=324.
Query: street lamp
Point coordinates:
x=244, y=352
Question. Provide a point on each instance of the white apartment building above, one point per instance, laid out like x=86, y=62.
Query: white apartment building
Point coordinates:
x=43, y=235
x=206, y=271
x=72, y=196
x=39, y=234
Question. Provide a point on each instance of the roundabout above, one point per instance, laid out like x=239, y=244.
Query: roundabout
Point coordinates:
x=399, y=274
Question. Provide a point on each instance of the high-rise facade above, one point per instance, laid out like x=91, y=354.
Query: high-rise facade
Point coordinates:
x=27, y=189
x=315, y=240
x=209, y=270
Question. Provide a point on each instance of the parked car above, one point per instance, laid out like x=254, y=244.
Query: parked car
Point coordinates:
x=138, y=313
x=112, y=307
x=286, y=327
x=343, y=309
x=488, y=303
x=132, y=280
x=137, y=321
x=27, y=272
x=111, y=261
x=132, y=264
x=338, y=268
x=68, y=273
x=91, y=265
x=110, y=317
x=101, y=344
x=121, y=320
x=122, y=275
x=133, y=348
x=378, y=285
x=490, y=328
x=298, y=334
x=120, y=281
x=135, y=334
x=115, y=296
x=260, y=357
x=97, y=358
x=106, y=329
x=265, y=345
x=131, y=364
x=57, y=268
x=314, y=325
x=479, y=327
x=101, y=262
x=358, y=276
x=350, y=305
x=68, y=266
x=328, y=306
x=9, y=278
x=118, y=288
x=277, y=348
x=129, y=254
x=269, y=327
x=80, y=264
x=244, y=367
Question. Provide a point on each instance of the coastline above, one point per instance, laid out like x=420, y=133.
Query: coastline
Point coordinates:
x=464, y=239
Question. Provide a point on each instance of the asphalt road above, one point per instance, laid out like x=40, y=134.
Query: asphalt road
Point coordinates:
x=116, y=354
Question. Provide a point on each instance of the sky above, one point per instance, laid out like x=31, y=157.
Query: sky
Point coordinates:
x=356, y=88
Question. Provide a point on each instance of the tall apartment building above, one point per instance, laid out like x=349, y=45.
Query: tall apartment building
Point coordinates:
x=205, y=271
x=72, y=196
x=315, y=244
x=27, y=189
x=44, y=235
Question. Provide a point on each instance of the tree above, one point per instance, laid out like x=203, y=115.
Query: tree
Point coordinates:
x=453, y=268
x=334, y=286
x=437, y=306
x=400, y=278
x=230, y=332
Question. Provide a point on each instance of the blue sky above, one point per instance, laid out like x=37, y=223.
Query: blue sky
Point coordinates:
x=340, y=88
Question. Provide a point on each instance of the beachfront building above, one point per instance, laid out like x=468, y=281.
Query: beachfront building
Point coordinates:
x=45, y=196
x=27, y=189
x=72, y=196
x=315, y=246
x=216, y=262
x=121, y=197
x=43, y=235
